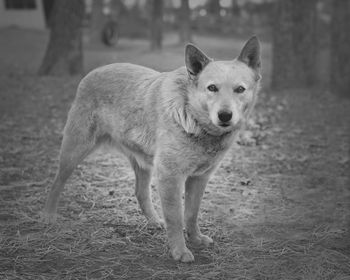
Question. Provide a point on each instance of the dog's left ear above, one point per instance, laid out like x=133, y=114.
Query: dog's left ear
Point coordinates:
x=195, y=60
x=250, y=53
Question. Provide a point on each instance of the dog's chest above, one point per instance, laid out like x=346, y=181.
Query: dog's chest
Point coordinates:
x=203, y=167
x=206, y=154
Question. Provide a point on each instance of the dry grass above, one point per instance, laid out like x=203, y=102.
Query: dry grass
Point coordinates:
x=98, y=247
x=277, y=208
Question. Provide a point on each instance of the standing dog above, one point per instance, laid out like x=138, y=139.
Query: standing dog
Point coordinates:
x=178, y=123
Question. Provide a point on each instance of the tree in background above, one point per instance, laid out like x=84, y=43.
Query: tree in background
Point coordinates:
x=235, y=8
x=340, y=48
x=47, y=7
x=97, y=22
x=64, y=51
x=294, y=44
x=156, y=24
x=185, y=22
x=213, y=9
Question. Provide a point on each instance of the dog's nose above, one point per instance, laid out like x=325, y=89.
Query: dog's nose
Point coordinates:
x=225, y=116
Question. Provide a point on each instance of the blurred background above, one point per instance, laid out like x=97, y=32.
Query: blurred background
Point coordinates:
x=278, y=206
x=304, y=41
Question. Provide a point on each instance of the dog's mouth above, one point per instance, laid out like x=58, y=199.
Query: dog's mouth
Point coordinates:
x=224, y=124
x=228, y=126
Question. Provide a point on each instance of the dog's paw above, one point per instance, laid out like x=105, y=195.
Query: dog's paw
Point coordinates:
x=156, y=223
x=48, y=218
x=182, y=254
x=200, y=240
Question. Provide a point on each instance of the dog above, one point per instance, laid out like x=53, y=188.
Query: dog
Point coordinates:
x=178, y=124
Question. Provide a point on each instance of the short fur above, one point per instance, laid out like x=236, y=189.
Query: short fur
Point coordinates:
x=166, y=122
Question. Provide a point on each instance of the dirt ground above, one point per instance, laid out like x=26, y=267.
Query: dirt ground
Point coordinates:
x=277, y=208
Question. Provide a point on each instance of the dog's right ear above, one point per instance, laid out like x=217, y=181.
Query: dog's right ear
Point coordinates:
x=195, y=60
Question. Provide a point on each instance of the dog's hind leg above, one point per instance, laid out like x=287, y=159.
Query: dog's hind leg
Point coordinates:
x=76, y=145
x=143, y=192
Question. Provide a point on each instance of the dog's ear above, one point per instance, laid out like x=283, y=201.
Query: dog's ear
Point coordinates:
x=195, y=60
x=250, y=53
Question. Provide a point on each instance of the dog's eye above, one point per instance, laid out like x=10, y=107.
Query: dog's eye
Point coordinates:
x=239, y=89
x=212, y=88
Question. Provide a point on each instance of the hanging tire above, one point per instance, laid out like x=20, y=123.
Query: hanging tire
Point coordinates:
x=110, y=34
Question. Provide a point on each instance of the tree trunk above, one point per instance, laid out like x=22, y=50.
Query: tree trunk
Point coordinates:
x=340, y=48
x=235, y=8
x=156, y=24
x=47, y=7
x=98, y=21
x=185, y=22
x=294, y=44
x=64, y=51
x=213, y=7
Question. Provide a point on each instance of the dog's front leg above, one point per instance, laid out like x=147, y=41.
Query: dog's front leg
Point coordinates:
x=170, y=190
x=194, y=189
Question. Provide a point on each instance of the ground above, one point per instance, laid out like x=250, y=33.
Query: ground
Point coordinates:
x=277, y=208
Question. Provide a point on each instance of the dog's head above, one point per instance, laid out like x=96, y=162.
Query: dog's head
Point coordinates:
x=223, y=92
